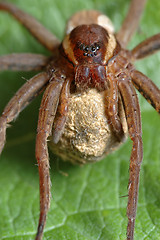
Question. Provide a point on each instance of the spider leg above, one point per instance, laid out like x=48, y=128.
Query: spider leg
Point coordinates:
x=47, y=113
x=133, y=116
x=131, y=21
x=21, y=99
x=46, y=38
x=61, y=112
x=147, y=47
x=23, y=62
x=111, y=100
x=147, y=88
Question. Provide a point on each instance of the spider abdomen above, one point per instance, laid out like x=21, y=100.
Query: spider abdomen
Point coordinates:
x=87, y=135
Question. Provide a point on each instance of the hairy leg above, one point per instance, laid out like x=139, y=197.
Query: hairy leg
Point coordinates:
x=47, y=113
x=147, y=47
x=21, y=99
x=133, y=116
x=147, y=88
x=131, y=21
x=46, y=38
x=111, y=104
x=61, y=112
x=23, y=62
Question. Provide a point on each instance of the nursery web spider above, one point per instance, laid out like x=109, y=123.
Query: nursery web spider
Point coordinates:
x=90, y=56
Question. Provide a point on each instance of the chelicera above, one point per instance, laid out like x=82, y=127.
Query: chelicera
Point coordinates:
x=90, y=56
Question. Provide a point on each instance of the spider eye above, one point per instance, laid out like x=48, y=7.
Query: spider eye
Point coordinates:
x=97, y=46
x=86, y=49
x=81, y=47
x=93, y=49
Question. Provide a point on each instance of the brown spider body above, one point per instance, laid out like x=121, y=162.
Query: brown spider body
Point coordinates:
x=88, y=48
x=90, y=56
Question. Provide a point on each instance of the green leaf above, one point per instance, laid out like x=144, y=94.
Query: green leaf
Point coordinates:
x=86, y=205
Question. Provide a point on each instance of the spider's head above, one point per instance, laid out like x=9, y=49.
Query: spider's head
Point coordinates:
x=90, y=43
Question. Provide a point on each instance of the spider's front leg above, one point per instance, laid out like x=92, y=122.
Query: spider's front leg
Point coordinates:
x=111, y=100
x=47, y=113
x=22, y=98
x=133, y=116
x=62, y=111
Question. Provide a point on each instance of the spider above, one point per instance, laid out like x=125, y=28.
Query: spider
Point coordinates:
x=90, y=56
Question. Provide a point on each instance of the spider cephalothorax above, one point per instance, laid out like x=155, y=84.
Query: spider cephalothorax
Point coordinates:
x=89, y=44
x=89, y=48
x=90, y=63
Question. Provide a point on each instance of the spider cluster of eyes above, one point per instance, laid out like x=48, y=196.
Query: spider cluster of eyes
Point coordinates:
x=89, y=51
